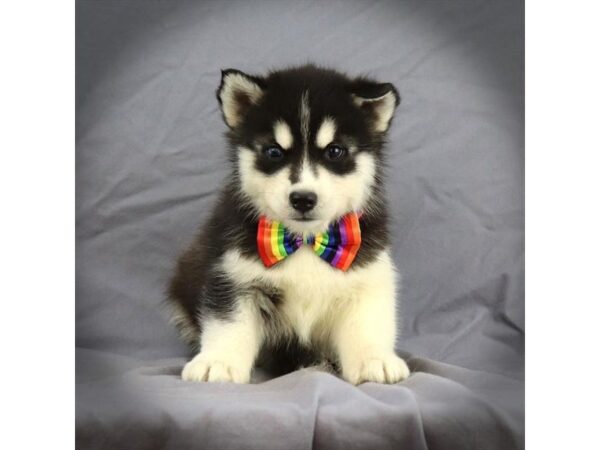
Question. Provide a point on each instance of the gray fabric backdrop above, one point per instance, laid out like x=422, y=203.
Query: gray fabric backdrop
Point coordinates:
x=150, y=156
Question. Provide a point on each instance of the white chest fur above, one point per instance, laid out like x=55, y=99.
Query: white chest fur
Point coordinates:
x=314, y=293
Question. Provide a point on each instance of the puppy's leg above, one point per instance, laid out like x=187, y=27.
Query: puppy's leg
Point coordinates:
x=364, y=334
x=228, y=346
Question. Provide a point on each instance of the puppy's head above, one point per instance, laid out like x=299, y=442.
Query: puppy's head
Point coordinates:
x=306, y=141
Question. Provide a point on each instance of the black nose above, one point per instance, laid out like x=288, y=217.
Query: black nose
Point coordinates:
x=303, y=201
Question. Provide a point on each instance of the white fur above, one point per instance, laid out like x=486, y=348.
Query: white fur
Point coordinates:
x=384, y=108
x=232, y=84
x=269, y=193
x=326, y=132
x=336, y=194
x=283, y=134
x=228, y=348
x=351, y=313
x=307, y=178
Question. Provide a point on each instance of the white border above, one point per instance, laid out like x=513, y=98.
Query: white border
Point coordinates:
x=562, y=224
x=37, y=227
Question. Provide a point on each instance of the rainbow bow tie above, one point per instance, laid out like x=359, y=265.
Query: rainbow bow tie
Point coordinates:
x=338, y=245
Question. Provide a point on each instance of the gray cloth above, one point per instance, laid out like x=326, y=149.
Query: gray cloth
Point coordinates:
x=150, y=157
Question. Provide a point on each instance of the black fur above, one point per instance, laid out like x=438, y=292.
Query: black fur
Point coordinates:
x=197, y=286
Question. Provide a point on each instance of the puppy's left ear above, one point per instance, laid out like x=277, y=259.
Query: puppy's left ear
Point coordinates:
x=237, y=93
x=377, y=100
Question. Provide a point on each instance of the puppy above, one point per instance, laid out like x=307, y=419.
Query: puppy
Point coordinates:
x=293, y=266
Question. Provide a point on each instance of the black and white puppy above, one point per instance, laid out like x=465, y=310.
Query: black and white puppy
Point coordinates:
x=306, y=149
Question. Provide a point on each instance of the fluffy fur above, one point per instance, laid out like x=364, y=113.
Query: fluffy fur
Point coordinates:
x=303, y=130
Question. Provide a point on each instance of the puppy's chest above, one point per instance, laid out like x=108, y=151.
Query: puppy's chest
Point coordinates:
x=309, y=292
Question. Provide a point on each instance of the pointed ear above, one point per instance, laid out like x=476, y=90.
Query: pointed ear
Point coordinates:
x=237, y=93
x=378, y=100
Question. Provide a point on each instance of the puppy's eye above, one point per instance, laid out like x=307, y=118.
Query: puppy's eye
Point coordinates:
x=334, y=152
x=273, y=152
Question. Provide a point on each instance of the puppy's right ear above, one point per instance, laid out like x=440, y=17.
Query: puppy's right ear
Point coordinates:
x=237, y=93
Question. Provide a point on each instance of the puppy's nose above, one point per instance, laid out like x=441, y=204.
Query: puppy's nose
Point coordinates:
x=303, y=201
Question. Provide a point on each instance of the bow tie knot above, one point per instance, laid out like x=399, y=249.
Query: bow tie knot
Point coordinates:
x=337, y=246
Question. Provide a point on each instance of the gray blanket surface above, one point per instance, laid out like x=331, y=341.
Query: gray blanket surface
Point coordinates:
x=150, y=157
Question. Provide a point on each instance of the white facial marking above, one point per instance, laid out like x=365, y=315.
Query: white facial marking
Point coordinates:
x=306, y=178
x=283, y=134
x=343, y=193
x=268, y=193
x=326, y=132
x=337, y=194
x=305, y=119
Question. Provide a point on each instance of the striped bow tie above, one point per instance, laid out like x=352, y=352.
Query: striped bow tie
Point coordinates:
x=338, y=245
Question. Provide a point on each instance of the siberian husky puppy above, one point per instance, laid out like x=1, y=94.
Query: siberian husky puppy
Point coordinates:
x=293, y=266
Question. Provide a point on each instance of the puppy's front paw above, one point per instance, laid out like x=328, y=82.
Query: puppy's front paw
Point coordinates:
x=388, y=368
x=202, y=368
